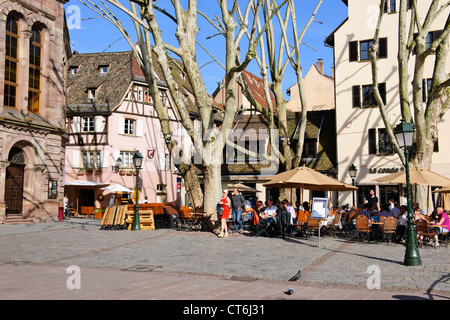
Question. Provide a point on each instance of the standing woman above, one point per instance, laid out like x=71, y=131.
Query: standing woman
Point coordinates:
x=225, y=204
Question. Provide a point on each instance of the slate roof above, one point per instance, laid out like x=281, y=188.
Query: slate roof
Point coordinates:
x=320, y=124
x=123, y=69
x=111, y=86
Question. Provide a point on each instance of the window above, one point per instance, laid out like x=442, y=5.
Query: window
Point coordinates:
x=91, y=93
x=392, y=6
x=11, y=62
x=129, y=126
x=368, y=97
x=103, y=69
x=309, y=148
x=147, y=97
x=431, y=37
x=34, y=80
x=87, y=124
x=127, y=158
x=426, y=88
x=91, y=159
x=364, y=49
x=161, y=187
x=73, y=70
x=384, y=145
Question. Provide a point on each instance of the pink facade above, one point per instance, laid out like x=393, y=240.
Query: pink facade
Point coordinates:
x=100, y=134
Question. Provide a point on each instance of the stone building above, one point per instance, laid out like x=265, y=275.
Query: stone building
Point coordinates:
x=33, y=54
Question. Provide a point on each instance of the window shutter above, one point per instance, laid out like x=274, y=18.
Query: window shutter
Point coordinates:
x=353, y=51
x=104, y=158
x=161, y=161
x=98, y=124
x=121, y=125
x=382, y=49
x=382, y=91
x=75, y=159
x=372, y=141
x=76, y=122
x=139, y=128
x=356, y=93
x=116, y=154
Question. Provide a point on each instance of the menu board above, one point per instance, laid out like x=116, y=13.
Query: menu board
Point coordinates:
x=319, y=208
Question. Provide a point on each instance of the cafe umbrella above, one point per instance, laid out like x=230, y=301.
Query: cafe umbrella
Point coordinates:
x=417, y=175
x=307, y=178
x=243, y=188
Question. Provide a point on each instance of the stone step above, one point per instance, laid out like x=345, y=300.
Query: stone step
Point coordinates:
x=17, y=219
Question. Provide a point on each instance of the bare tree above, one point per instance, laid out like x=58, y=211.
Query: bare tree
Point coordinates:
x=276, y=64
x=209, y=139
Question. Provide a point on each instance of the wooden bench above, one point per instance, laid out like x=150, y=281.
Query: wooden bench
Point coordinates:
x=146, y=219
x=114, y=218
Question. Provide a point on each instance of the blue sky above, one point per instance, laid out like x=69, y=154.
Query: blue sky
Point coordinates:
x=94, y=34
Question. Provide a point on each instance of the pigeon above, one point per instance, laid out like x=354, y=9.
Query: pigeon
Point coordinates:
x=297, y=276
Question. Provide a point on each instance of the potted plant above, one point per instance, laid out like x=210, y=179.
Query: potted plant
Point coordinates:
x=122, y=172
x=80, y=172
x=129, y=173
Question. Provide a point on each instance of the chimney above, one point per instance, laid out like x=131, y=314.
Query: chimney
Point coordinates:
x=319, y=65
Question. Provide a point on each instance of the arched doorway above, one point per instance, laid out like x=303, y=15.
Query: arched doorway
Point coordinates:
x=14, y=181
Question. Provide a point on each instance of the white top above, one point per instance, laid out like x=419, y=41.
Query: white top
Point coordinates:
x=271, y=210
x=292, y=211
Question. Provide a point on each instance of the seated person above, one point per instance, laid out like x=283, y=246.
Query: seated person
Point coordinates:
x=284, y=219
x=418, y=214
x=442, y=226
x=385, y=211
x=271, y=210
x=395, y=209
x=365, y=212
x=402, y=222
x=264, y=218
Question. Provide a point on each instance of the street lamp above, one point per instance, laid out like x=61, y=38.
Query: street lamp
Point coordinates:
x=404, y=133
x=352, y=171
x=137, y=163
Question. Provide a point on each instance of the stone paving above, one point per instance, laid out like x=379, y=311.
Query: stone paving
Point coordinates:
x=170, y=264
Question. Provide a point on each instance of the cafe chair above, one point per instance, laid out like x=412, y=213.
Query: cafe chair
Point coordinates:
x=312, y=225
x=389, y=228
x=265, y=228
x=333, y=227
x=423, y=232
x=363, y=228
x=300, y=225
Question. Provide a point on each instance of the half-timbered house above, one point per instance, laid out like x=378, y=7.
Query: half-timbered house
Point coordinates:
x=110, y=116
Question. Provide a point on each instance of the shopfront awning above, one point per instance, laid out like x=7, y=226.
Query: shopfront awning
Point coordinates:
x=81, y=183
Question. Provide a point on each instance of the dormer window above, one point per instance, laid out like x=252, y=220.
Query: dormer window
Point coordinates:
x=91, y=93
x=103, y=69
x=73, y=70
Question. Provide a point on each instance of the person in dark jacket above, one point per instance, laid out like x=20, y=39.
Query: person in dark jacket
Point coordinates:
x=284, y=219
x=237, y=203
